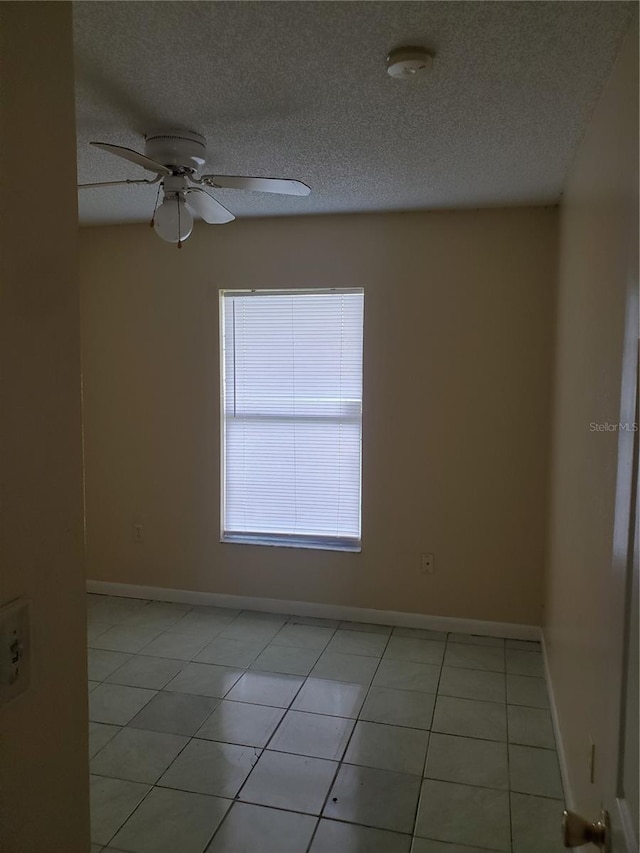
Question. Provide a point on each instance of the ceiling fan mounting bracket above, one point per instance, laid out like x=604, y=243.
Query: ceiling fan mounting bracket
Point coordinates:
x=179, y=150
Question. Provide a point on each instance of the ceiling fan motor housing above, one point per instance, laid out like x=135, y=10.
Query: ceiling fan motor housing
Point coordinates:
x=177, y=149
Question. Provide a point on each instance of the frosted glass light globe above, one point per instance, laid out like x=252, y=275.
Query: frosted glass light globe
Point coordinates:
x=166, y=220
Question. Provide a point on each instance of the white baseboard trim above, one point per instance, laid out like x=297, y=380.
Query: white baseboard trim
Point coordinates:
x=326, y=611
x=555, y=720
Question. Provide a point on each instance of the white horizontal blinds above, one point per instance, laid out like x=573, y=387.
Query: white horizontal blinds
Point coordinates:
x=292, y=414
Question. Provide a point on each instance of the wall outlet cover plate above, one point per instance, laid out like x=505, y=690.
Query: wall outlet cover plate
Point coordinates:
x=15, y=649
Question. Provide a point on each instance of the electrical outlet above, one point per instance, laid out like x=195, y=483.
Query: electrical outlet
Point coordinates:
x=138, y=532
x=427, y=564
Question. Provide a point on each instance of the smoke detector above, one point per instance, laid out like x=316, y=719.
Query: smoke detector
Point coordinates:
x=406, y=62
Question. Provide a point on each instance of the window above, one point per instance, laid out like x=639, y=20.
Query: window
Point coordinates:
x=292, y=417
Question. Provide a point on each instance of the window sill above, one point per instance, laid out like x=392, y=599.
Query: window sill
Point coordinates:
x=309, y=542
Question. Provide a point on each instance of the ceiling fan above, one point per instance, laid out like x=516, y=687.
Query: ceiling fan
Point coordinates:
x=176, y=158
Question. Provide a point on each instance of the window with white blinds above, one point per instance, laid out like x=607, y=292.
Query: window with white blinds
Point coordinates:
x=292, y=417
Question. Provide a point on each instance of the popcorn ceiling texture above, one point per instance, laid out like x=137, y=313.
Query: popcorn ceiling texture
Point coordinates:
x=299, y=89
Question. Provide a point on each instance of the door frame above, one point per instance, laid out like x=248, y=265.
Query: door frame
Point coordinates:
x=624, y=563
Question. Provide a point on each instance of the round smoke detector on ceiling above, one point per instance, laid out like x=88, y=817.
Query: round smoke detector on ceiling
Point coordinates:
x=406, y=62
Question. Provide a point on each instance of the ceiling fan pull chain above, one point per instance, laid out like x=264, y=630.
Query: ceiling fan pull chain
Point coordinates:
x=179, y=230
x=155, y=207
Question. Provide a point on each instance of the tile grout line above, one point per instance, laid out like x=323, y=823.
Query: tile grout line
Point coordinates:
x=426, y=757
x=340, y=763
x=264, y=748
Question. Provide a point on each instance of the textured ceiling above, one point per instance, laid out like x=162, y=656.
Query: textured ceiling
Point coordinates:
x=299, y=89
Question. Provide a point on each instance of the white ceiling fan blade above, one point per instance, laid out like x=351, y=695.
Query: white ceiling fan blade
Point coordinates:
x=207, y=207
x=117, y=183
x=282, y=186
x=133, y=157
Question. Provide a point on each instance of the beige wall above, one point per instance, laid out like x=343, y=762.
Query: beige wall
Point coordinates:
x=598, y=273
x=43, y=733
x=458, y=331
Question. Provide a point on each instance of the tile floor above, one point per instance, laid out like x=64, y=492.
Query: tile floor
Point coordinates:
x=240, y=732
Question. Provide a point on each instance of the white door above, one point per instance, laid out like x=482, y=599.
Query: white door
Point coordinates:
x=620, y=789
x=624, y=794
x=621, y=779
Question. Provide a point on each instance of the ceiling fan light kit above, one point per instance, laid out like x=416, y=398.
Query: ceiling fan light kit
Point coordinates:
x=176, y=158
x=173, y=221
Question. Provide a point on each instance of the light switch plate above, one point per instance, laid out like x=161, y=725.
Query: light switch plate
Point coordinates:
x=15, y=649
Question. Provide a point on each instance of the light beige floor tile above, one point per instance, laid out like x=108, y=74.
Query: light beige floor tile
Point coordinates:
x=287, y=660
x=536, y=823
x=468, y=761
x=333, y=836
x=409, y=649
x=241, y=723
x=205, y=679
x=388, y=747
x=461, y=814
x=171, y=821
x=266, y=688
x=249, y=829
x=94, y=629
x=206, y=767
x=356, y=669
x=528, y=691
x=101, y=663
x=424, y=845
x=294, y=782
x=524, y=645
x=116, y=704
x=525, y=663
x=99, y=735
x=470, y=718
x=358, y=643
x=176, y=713
x=252, y=629
x=137, y=755
x=407, y=675
x=229, y=613
x=112, y=801
x=420, y=633
x=378, y=798
x=335, y=698
x=303, y=636
x=146, y=671
x=179, y=646
x=470, y=656
x=399, y=707
x=228, y=652
x=202, y=625
x=530, y=726
x=472, y=684
x=534, y=771
x=124, y=639
x=316, y=735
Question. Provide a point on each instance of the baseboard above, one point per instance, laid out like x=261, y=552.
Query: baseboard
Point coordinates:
x=327, y=611
x=555, y=720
